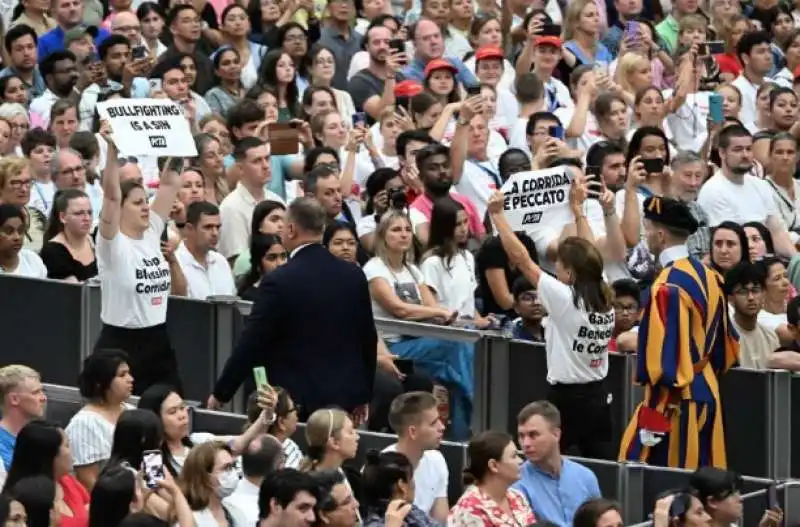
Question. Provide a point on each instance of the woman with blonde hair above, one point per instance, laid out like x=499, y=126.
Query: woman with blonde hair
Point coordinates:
x=331, y=440
x=581, y=36
x=399, y=290
x=633, y=73
x=15, y=189
x=209, y=476
x=732, y=31
x=17, y=117
x=211, y=165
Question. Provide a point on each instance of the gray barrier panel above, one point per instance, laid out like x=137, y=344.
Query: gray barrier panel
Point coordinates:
x=61, y=411
x=217, y=423
x=795, y=423
x=192, y=326
x=54, y=349
x=745, y=409
x=608, y=473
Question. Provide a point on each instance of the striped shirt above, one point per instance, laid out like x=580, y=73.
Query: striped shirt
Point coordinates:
x=292, y=453
x=90, y=437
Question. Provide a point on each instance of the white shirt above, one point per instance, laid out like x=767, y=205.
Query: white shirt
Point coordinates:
x=42, y=194
x=215, y=278
x=405, y=284
x=722, y=200
x=90, y=437
x=507, y=80
x=545, y=235
x=576, y=342
x=243, y=504
x=430, y=478
x=236, y=213
x=688, y=123
x=30, y=265
x=454, y=284
x=771, y=321
x=787, y=208
x=40, y=109
x=477, y=184
x=135, y=279
x=749, y=90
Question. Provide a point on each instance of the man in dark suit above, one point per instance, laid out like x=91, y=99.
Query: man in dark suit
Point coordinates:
x=311, y=326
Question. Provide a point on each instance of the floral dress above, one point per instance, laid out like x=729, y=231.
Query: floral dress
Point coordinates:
x=476, y=509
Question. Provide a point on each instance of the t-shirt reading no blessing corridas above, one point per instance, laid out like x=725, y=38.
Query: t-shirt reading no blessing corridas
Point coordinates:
x=576, y=342
x=134, y=278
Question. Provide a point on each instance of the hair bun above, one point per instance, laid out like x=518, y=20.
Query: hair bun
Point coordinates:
x=467, y=478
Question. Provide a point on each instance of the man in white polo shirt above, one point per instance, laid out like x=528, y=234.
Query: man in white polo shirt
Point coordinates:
x=755, y=52
x=206, y=271
x=236, y=210
x=414, y=417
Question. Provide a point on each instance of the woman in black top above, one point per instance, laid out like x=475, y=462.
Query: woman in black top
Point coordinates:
x=68, y=251
x=496, y=275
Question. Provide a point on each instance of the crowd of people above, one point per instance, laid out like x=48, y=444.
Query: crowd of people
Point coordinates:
x=351, y=157
x=96, y=470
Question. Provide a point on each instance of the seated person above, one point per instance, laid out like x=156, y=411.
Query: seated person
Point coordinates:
x=530, y=324
x=627, y=297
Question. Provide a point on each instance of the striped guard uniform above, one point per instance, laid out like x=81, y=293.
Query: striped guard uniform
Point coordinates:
x=686, y=341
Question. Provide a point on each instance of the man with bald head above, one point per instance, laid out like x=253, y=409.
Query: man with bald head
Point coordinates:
x=429, y=45
x=126, y=23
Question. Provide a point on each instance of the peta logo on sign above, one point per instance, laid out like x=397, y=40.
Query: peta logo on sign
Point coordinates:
x=158, y=141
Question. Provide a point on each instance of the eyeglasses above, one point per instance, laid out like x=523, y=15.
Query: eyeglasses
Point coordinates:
x=19, y=183
x=747, y=291
x=295, y=38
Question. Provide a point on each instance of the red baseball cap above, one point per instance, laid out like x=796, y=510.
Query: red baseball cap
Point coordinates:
x=408, y=88
x=549, y=40
x=489, y=52
x=439, y=64
x=797, y=72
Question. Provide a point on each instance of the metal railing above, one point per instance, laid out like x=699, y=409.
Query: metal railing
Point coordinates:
x=52, y=326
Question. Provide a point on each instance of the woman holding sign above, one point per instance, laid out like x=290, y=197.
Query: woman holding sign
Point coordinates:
x=136, y=278
x=579, y=327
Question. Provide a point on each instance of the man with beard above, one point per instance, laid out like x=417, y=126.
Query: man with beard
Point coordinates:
x=373, y=87
x=20, y=45
x=682, y=351
x=436, y=174
x=734, y=194
x=688, y=173
x=60, y=73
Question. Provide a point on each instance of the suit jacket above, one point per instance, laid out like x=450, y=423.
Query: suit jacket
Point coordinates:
x=312, y=328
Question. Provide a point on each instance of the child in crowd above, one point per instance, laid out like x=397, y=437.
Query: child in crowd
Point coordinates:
x=627, y=303
x=530, y=324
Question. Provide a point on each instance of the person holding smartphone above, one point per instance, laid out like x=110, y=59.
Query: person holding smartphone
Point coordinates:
x=582, y=318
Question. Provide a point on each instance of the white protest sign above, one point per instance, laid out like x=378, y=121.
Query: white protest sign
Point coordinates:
x=537, y=199
x=148, y=127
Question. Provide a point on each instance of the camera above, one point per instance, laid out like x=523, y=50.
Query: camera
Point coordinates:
x=397, y=199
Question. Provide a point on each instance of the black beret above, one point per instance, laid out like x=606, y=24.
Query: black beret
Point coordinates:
x=670, y=213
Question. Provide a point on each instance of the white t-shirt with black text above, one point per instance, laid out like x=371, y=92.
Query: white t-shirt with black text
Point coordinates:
x=134, y=278
x=576, y=342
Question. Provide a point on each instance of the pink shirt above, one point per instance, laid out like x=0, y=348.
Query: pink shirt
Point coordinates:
x=424, y=204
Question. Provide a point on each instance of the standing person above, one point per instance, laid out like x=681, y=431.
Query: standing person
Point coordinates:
x=136, y=277
x=576, y=338
x=276, y=334
x=679, y=423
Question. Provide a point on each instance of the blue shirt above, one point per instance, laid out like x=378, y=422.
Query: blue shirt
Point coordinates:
x=601, y=54
x=555, y=499
x=416, y=71
x=7, y=444
x=53, y=40
x=34, y=90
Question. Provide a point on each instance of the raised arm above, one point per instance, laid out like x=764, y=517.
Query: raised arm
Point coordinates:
x=168, y=187
x=516, y=251
x=112, y=194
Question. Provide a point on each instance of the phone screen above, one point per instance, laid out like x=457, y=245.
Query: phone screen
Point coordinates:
x=473, y=90
x=153, y=468
x=260, y=376
x=653, y=166
x=557, y=132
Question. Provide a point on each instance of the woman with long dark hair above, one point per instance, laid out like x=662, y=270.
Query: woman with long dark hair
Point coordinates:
x=388, y=478
x=235, y=32
x=578, y=301
x=598, y=512
x=12, y=512
x=294, y=40
x=42, y=449
x=279, y=72
x=266, y=254
x=68, y=251
x=152, y=19
x=759, y=240
x=268, y=218
x=228, y=89
x=448, y=267
x=37, y=495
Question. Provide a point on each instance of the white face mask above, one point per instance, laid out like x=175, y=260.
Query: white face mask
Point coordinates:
x=228, y=481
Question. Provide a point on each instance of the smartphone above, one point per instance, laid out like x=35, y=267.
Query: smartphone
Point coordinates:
x=594, y=186
x=715, y=47
x=359, y=119
x=283, y=139
x=474, y=90
x=153, y=468
x=139, y=52
x=406, y=366
x=715, y=108
x=398, y=45
x=772, y=497
x=653, y=166
x=155, y=85
x=550, y=30
x=165, y=235
x=557, y=132
x=631, y=29
x=260, y=376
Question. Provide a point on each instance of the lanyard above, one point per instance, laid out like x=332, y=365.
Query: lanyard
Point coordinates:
x=491, y=173
x=41, y=196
